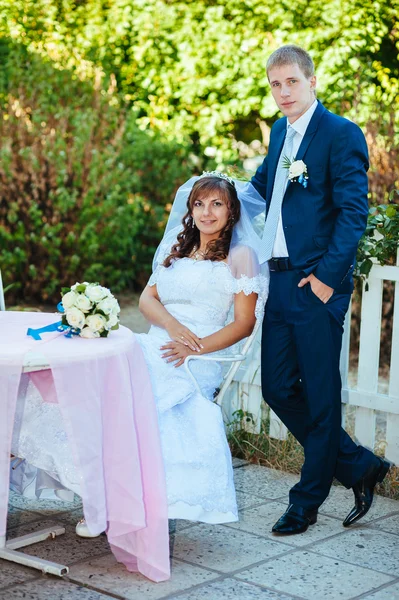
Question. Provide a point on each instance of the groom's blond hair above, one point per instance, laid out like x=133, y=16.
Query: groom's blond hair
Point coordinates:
x=291, y=55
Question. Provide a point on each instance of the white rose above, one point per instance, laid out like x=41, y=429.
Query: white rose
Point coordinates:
x=95, y=293
x=75, y=318
x=96, y=322
x=88, y=333
x=109, y=306
x=107, y=292
x=83, y=303
x=68, y=300
x=297, y=168
x=116, y=308
x=112, y=321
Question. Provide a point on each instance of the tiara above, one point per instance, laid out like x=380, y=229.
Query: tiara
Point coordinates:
x=217, y=174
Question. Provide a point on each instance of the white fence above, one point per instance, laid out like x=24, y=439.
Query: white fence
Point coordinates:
x=374, y=410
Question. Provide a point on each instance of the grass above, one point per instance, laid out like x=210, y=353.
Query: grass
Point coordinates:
x=284, y=455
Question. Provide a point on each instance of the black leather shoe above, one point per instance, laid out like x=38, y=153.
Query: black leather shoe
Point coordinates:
x=364, y=491
x=295, y=520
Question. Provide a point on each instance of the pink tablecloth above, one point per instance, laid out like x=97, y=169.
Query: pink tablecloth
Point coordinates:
x=105, y=397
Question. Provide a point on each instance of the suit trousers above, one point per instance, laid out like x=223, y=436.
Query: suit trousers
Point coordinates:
x=301, y=382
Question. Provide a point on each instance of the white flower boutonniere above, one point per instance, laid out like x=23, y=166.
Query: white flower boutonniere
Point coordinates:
x=297, y=171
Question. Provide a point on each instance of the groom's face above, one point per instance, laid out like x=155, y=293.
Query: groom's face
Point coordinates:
x=293, y=92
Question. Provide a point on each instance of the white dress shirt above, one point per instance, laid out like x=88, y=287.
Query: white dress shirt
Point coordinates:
x=300, y=125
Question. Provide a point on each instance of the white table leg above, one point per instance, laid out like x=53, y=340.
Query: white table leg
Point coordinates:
x=8, y=552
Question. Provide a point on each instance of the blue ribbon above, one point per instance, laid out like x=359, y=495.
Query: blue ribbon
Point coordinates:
x=35, y=333
x=302, y=180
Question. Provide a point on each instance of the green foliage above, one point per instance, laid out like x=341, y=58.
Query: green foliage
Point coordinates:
x=381, y=239
x=198, y=68
x=82, y=189
x=104, y=101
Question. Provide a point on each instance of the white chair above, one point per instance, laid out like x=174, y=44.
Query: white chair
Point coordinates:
x=2, y=303
x=235, y=359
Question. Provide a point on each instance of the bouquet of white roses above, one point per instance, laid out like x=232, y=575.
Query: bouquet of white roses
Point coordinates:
x=90, y=310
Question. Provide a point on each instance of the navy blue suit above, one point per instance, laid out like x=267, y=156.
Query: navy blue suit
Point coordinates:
x=302, y=336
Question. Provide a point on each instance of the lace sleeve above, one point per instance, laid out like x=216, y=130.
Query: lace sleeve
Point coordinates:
x=249, y=277
x=259, y=284
x=153, y=280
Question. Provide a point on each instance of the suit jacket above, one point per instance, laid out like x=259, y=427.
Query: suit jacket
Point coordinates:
x=323, y=222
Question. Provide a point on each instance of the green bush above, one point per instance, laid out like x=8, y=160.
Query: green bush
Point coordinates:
x=82, y=189
x=381, y=238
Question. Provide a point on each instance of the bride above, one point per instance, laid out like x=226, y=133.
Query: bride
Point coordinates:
x=204, y=296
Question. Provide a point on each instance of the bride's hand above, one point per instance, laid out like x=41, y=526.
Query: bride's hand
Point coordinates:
x=176, y=351
x=179, y=333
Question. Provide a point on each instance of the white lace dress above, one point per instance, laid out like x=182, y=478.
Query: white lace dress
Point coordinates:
x=199, y=475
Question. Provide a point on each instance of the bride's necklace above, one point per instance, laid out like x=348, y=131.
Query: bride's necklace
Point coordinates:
x=198, y=254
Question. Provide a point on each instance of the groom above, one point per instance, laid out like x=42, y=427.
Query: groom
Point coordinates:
x=316, y=213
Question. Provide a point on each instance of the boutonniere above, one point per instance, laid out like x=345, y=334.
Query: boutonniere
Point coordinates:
x=297, y=171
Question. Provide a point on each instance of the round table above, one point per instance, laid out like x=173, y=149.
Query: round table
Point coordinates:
x=104, y=393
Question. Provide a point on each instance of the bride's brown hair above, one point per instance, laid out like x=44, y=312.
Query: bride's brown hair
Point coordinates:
x=189, y=238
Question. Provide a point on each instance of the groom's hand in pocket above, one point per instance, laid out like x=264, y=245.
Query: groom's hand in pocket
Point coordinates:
x=320, y=289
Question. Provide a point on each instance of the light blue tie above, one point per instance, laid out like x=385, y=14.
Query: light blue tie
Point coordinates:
x=280, y=182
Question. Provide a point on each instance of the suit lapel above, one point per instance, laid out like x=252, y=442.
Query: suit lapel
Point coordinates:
x=276, y=147
x=309, y=134
x=310, y=131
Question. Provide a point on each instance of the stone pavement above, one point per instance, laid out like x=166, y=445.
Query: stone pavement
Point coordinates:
x=239, y=561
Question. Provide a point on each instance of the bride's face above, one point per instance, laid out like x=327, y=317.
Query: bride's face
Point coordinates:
x=211, y=214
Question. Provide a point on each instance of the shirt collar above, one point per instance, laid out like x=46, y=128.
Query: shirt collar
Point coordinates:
x=301, y=124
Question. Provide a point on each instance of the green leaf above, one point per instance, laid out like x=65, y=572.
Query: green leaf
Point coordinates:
x=365, y=267
x=390, y=211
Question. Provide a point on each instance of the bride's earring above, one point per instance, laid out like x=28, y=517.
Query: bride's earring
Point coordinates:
x=192, y=223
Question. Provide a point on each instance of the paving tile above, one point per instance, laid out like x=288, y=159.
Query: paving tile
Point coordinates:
x=313, y=577
x=223, y=548
x=11, y=573
x=16, y=516
x=389, y=524
x=365, y=547
x=65, y=549
x=259, y=520
x=340, y=501
x=50, y=507
x=71, y=518
x=388, y=593
x=180, y=524
x=264, y=482
x=106, y=574
x=245, y=500
x=51, y=589
x=231, y=589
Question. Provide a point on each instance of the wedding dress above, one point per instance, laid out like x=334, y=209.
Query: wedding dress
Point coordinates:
x=199, y=475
